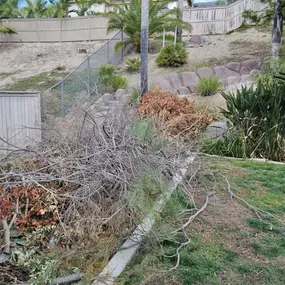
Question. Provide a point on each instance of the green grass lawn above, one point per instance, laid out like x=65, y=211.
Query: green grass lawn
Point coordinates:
x=229, y=243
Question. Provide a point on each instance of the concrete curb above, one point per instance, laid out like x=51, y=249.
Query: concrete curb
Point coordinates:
x=124, y=255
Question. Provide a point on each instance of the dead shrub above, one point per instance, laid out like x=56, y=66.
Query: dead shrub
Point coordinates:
x=179, y=115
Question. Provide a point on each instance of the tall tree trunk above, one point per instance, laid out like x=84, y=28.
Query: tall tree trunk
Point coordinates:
x=277, y=29
x=180, y=8
x=144, y=45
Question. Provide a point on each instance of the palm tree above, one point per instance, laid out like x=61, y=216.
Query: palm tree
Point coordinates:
x=9, y=9
x=58, y=8
x=127, y=17
x=34, y=9
x=180, y=8
x=84, y=5
x=144, y=45
x=277, y=27
x=7, y=30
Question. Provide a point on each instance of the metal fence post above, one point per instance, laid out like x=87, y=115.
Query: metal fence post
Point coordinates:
x=108, y=51
x=122, y=49
x=62, y=98
x=89, y=75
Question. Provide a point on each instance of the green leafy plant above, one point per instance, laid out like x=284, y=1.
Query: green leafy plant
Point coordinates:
x=41, y=268
x=209, y=85
x=133, y=64
x=173, y=55
x=258, y=115
x=108, y=79
x=127, y=17
x=135, y=95
x=252, y=16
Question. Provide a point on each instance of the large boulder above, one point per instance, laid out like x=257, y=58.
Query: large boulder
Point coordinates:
x=154, y=46
x=205, y=72
x=183, y=91
x=108, y=97
x=216, y=130
x=197, y=40
x=163, y=84
x=246, y=78
x=192, y=87
x=189, y=78
x=232, y=80
x=251, y=64
x=235, y=66
x=175, y=80
x=244, y=70
x=122, y=96
x=223, y=72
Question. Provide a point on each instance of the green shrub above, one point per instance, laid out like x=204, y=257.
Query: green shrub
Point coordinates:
x=172, y=55
x=135, y=95
x=258, y=116
x=133, y=64
x=106, y=69
x=209, y=85
x=118, y=82
x=109, y=80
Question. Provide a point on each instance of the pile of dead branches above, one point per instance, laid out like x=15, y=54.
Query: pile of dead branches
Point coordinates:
x=179, y=116
x=78, y=179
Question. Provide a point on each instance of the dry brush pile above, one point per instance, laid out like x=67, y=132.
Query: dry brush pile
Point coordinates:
x=72, y=191
x=179, y=117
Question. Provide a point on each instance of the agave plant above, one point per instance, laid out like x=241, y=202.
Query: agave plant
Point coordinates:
x=127, y=17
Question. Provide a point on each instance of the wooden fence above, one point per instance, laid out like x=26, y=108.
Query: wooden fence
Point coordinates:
x=57, y=30
x=20, y=121
x=220, y=20
x=211, y=20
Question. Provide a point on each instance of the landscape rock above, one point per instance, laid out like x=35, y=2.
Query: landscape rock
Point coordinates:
x=175, y=80
x=163, y=83
x=216, y=130
x=205, y=72
x=220, y=71
x=122, y=96
x=246, y=78
x=108, y=97
x=254, y=72
x=233, y=80
x=189, y=78
x=197, y=40
x=235, y=66
x=192, y=88
x=251, y=64
x=244, y=70
x=183, y=91
x=154, y=46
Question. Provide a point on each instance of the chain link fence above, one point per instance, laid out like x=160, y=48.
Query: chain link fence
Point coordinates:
x=83, y=82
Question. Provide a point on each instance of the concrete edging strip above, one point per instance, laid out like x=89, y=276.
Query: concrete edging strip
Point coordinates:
x=120, y=260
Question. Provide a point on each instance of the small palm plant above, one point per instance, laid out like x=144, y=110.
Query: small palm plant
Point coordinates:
x=7, y=30
x=127, y=17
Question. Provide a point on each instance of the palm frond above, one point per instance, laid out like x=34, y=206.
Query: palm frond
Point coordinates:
x=7, y=30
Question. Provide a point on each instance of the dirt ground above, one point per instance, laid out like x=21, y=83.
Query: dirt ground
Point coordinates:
x=19, y=60
x=220, y=49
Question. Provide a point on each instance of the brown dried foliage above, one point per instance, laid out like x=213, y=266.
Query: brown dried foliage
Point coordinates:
x=180, y=117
